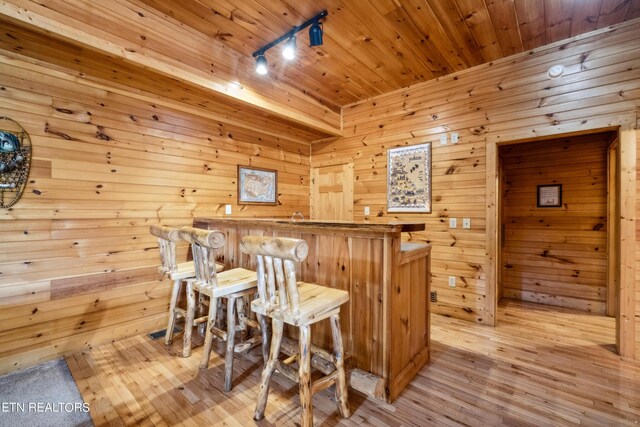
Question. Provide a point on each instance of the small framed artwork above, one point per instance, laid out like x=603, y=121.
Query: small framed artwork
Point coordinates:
x=550, y=196
x=409, y=179
x=257, y=186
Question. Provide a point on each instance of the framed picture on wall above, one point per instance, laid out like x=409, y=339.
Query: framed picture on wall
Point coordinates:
x=409, y=179
x=257, y=186
x=550, y=196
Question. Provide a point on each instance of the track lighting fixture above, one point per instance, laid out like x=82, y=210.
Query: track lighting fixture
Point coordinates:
x=289, y=51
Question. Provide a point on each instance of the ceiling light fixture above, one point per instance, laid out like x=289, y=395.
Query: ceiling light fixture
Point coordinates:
x=289, y=51
x=555, y=71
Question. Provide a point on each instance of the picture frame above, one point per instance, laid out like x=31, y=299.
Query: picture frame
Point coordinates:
x=257, y=186
x=409, y=179
x=549, y=196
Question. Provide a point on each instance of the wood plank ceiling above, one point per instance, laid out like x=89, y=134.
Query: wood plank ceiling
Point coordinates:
x=377, y=46
x=198, y=53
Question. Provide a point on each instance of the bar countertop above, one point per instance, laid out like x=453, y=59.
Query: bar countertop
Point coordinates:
x=391, y=226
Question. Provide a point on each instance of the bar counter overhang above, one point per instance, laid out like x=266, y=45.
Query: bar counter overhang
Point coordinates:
x=385, y=324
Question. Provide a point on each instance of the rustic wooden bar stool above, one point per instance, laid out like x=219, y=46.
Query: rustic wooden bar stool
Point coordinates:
x=299, y=304
x=178, y=272
x=232, y=285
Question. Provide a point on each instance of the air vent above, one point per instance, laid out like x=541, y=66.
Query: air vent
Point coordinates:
x=433, y=296
x=162, y=333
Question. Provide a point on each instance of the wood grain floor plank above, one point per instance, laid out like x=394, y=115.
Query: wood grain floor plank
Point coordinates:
x=541, y=366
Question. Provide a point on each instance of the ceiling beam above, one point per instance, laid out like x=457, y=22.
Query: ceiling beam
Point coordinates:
x=132, y=32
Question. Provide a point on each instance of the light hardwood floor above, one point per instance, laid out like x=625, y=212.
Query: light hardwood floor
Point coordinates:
x=540, y=366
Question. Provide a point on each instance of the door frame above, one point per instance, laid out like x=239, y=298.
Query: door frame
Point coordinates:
x=623, y=257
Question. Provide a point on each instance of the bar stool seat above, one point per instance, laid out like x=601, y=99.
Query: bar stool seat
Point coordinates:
x=299, y=304
x=233, y=285
x=316, y=303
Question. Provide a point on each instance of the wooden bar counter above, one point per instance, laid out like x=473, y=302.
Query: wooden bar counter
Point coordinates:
x=385, y=324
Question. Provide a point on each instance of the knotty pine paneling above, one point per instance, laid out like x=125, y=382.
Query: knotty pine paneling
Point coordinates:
x=77, y=262
x=556, y=256
x=502, y=99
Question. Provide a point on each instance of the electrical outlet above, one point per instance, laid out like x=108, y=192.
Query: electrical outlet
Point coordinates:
x=466, y=223
x=454, y=137
x=443, y=139
x=452, y=281
x=227, y=209
x=453, y=223
x=366, y=210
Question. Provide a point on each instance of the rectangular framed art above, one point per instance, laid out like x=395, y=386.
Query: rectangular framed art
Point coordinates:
x=257, y=186
x=409, y=179
x=549, y=196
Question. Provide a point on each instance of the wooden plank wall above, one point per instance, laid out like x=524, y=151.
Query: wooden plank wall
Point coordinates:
x=77, y=263
x=556, y=256
x=507, y=97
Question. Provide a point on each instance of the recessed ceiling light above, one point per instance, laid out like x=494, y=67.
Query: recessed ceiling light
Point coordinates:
x=555, y=71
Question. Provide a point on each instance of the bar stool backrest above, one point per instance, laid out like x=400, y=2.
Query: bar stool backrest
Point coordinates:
x=203, y=246
x=275, y=266
x=167, y=238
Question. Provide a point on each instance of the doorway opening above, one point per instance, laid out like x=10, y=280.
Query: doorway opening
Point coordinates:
x=554, y=223
x=612, y=290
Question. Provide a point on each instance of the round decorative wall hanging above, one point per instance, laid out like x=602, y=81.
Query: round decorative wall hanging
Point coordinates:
x=15, y=161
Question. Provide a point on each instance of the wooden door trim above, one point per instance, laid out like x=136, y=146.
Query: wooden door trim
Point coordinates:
x=613, y=233
x=625, y=319
x=625, y=125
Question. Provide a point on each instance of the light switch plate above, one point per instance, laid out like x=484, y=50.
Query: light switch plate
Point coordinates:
x=443, y=139
x=454, y=137
x=227, y=209
x=366, y=210
x=453, y=223
x=452, y=281
x=466, y=223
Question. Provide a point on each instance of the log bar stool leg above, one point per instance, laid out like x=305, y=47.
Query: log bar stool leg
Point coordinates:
x=269, y=367
x=306, y=419
x=188, y=321
x=168, y=337
x=341, y=381
x=208, y=336
x=231, y=334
